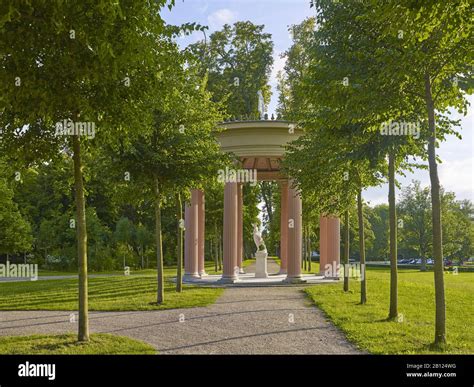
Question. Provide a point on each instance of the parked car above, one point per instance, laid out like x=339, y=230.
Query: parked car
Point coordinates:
x=448, y=262
x=429, y=261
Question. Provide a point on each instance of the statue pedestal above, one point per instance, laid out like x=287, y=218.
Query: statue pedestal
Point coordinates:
x=261, y=264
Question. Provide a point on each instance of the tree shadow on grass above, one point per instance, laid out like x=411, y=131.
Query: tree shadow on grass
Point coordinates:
x=61, y=343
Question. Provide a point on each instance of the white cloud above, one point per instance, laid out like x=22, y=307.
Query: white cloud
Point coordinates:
x=220, y=17
x=456, y=176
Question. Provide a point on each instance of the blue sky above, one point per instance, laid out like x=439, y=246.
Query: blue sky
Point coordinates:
x=456, y=171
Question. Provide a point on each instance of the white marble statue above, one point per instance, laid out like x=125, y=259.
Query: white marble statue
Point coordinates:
x=261, y=104
x=257, y=238
x=261, y=254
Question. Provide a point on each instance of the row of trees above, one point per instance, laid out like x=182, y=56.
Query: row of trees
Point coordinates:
x=154, y=111
x=37, y=216
x=115, y=68
x=414, y=225
x=353, y=70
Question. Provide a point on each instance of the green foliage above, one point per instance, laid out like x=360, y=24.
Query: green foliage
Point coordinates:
x=415, y=214
x=415, y=235
x=238, y=61
x=56, y=242
x=15, y=231
x=179, y=148
x=73, y=59
x=379, y=220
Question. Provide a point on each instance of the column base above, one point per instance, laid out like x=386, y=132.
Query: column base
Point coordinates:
x=241, y=271
x=294, y=280
x=191, y=276
x=228, y=280
x=203, y=274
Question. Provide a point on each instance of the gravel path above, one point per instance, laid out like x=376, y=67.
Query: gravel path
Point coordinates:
x=263, y=320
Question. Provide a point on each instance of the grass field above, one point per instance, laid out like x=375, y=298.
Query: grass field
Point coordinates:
x=366, y=325
x=314, y=266
x=101, y=343
x=114, y=293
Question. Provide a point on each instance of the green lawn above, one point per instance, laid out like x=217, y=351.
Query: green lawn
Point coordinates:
x=314, y=266
x=248, y=262
x=366, y=325
x=100, y=343
x=49, y=273
x=114, y=293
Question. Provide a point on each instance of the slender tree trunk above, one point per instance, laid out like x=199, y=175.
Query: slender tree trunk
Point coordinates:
x=393, y=312
x=211, y=250
x=440, y=320
x=159, y=243
x=360, y=214
x=220, y=250
x=305, y=247
x=303, y=250
x=81, y=234
x=216, y=248
x=346, y=250
x=179, y=265
x=309, y=251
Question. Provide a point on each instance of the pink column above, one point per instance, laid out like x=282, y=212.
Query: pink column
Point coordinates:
x=231, y=270
x=284, y=227
x=201, y=232
x=191, y=238
x=323, y=250
x=333, y=244
x=295, y=239
x=240, y=225
x=187, y=237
